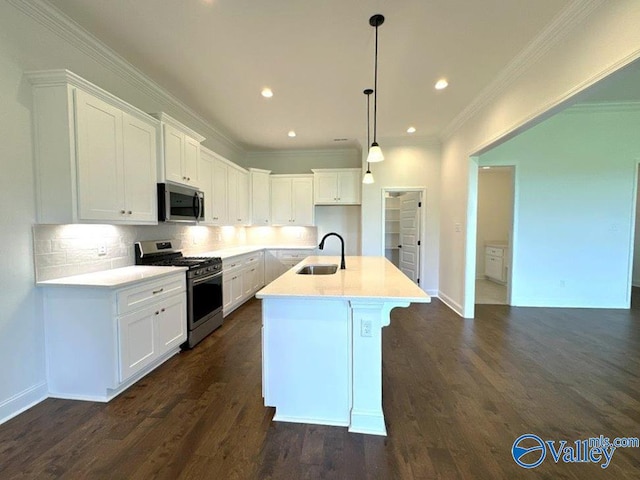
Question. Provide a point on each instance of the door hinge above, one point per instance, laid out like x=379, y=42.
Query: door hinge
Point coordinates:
x=419, y=204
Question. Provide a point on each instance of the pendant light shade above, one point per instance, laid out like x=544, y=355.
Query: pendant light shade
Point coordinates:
x=375, y=152
x=368, y=177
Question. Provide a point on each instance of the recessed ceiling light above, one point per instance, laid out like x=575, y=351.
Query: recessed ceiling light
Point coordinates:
x=267, y=93
x=411, y=130
x=442, y=84
x=291, y=133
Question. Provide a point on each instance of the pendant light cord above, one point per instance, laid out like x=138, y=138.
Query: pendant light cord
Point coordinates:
x=375, y=91
x=368, y=122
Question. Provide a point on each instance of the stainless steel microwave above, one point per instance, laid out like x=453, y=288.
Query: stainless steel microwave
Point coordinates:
x=179, y=203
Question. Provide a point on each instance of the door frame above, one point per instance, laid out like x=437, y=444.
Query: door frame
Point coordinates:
x=423, y=223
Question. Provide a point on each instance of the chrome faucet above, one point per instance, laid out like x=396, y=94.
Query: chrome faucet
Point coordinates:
x=321, y=246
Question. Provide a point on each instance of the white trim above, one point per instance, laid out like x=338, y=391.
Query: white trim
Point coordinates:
x=603, y=107
x=449, y=302
x=309, y=420
x=559, y=28
x=64, y=27
x=22, y=401
x=164, y=118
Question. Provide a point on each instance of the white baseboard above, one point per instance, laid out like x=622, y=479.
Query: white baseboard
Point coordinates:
x=22, y=401
x=449, y=302
x=432, y=293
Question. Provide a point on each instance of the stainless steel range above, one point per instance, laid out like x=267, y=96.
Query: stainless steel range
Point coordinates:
x=204, y=285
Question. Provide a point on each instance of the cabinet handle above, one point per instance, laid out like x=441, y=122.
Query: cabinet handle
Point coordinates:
x=129, y=212
x=189, y=178
x=253, y=269
x=122, y=212
x=233, y=278
x=158, y=291
x=162, y=309
x=157, y=312
x=215, y=218
x=239, y=219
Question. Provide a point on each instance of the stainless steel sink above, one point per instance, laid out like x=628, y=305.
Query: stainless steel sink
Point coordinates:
x=318, y=269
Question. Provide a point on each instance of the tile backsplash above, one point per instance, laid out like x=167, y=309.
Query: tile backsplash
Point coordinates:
x=63, y=250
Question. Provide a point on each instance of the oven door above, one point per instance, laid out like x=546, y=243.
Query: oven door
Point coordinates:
x=204, y=299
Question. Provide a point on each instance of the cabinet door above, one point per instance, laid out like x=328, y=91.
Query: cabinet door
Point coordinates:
x=232, y=196
x=227, y=294
x=174, y=149
x=190, y=161
x=248, y=281
x=237, y=291
x=171, y=323
x=260, y=198
x=139, y=151
x=281, y=201
x=326, y=187
x=302, y=201
x=136, y=341
x=206, y=185
x=493, y=267
x=242, y=200
x=219, y=208
x=349, y=186
x=99, y=154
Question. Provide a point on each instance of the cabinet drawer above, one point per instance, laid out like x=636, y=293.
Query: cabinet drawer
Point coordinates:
x=286, y=255
x=142, y=295
x=495, y=251
x=233, y=263
x=253, y=258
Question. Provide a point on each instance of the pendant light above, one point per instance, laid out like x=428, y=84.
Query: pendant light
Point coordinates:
x=368, y=177
x=375, y=152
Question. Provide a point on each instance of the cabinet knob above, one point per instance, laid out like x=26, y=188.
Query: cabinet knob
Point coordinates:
x=189, y=179
x=122, y=212
x=157, y=313
x=129, y=212
x=162, y=310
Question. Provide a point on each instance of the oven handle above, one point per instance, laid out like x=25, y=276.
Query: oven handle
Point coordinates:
x=205, y=279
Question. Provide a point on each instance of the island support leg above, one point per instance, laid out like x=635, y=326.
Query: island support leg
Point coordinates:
x=368, y=319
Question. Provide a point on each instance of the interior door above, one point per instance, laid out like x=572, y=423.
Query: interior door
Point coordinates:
x=410, y=235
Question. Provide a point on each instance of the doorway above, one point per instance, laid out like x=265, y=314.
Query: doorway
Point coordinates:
x=402, y=229
x=494, y=234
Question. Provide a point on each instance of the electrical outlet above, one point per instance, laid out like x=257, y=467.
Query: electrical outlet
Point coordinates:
x=102, y=249
x=365, y=330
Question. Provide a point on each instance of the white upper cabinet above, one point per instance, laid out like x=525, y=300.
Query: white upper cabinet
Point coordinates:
x=292, y=200
x=337, y=186
x=96, y=155
x=181, y=152
x=260, y=196
x=226, y=190
x=238, y=195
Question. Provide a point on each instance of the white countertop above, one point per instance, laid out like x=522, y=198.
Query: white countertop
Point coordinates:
x=114, y=278
x=365, y=277
x=235, y=251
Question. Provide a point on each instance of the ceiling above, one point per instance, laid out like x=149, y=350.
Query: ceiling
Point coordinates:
x=317, y=57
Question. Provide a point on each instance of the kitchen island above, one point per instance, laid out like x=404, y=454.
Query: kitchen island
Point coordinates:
x=322, y=341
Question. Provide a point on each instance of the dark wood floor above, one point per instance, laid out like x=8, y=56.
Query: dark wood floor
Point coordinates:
x=457, y=393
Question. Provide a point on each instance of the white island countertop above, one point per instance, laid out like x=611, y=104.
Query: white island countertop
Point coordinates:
x=114, y=278
x=374, y=278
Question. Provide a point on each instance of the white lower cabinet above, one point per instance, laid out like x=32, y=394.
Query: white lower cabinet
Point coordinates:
x=495, y=263
x=99, y=341
x=243, y=276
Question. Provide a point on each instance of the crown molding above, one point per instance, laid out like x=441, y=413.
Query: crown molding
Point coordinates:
x=328, y=152
x=572, y=16
x=64, y=27
x=603, y=107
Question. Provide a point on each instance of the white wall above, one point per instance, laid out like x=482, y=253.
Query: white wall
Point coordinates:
x=409, y=162
x=636, y=243
x=597, y=39
x=302, y=161
x=495, y=207
x=22, y=378
x=343, y=220
x=575, y=178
